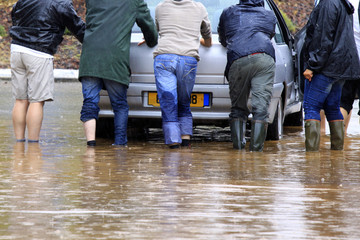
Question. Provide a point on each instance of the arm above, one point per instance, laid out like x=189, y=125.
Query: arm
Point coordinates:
x=146, y=24
x=73, y=22
x=221, y=30
x=206, y=42
x=205, y=30
x=308, y=74
x=13, y=15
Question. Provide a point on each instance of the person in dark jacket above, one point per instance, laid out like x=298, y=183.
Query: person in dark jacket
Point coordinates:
x=104, y=61
x=330, y=58
x=37, y=30
x=246, y=30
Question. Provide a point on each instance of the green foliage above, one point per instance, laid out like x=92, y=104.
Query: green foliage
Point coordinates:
x=288, y=22
x=67, y=32
x=3, y=32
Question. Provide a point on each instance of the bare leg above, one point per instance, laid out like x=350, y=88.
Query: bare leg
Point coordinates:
x=322, y=122
x=34, y=120
x=185, y=137
x=19, y=118
x=347, y=117
x=90, y=129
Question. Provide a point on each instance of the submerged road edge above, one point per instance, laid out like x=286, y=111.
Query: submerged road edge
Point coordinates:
x=61, y=75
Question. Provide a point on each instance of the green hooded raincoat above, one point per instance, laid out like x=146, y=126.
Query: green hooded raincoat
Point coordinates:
x=106, y=46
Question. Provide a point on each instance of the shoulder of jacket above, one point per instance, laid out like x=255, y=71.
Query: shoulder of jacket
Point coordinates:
x=137, y=3
x=160, y=4
x=62, y=3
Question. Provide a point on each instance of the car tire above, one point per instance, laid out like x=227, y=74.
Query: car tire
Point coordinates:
x=275, y=129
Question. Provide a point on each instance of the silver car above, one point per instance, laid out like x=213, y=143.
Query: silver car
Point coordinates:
x=210, y=100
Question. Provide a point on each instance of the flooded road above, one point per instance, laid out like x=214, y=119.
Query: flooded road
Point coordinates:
x=60, y=189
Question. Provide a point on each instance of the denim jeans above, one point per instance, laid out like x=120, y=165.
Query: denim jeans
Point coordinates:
x=175, y=79
x=255, y=74
x=91, y=87
x=322, y=93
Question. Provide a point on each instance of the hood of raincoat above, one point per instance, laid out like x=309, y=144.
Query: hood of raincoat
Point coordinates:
x=257, y=3
x=349, y=7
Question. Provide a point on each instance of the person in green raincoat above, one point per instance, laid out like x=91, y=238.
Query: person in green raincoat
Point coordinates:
x=104, y=61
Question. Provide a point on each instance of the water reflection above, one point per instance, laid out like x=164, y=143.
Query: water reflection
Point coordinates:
x=61, y=189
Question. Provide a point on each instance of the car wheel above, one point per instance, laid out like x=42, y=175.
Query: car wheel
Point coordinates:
x=275, y=129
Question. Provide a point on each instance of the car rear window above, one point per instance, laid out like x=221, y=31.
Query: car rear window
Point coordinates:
x=214, y=8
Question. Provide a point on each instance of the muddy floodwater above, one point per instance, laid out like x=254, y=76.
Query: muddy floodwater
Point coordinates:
x=60, y=189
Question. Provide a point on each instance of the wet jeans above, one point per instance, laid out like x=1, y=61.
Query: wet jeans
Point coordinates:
x=91, y=87
x=253, y=73
x=322, y=93
x=175, y=79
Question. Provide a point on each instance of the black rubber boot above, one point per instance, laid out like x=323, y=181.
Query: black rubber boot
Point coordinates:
x=312, y=135
x=337, y=135
x=238, y=128
x=258, y=135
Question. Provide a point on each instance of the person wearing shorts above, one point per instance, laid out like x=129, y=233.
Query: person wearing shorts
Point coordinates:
x=37, y=30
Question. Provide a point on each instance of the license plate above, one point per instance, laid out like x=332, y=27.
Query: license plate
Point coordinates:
x=197, y=99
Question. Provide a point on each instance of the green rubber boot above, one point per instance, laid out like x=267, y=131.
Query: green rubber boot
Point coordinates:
x=258, y=135
x=238, y=128
x=312, y=135
x=337, y=135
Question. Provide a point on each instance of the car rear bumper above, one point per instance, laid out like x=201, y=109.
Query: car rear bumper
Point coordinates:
x=218, y=110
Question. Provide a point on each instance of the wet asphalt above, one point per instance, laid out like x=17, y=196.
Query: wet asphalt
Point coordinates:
x=61, y=189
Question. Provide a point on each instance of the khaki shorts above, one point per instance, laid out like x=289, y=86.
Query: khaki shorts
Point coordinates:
x=32, y=77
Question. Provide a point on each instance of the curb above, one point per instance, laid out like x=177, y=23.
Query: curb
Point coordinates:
x=60, y=75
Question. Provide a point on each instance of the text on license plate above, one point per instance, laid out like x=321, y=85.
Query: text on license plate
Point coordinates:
x=197, y=99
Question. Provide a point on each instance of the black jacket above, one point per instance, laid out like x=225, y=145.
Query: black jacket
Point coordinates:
x=246, y=28
x=40, y=24
x=329, y=46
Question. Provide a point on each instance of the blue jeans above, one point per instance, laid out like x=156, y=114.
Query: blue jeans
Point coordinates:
x=91, y=87
x=322, y=93
x=175, y=79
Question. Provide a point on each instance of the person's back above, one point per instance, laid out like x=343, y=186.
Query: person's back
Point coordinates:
x=106, y=46
x=40, y=24
x=249, y=29
x=178, y=23
x=329, y=44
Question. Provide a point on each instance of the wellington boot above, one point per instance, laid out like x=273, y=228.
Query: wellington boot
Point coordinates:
x=258, y=135
x=312, y=135
x=238, y=128
x=337, y=135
